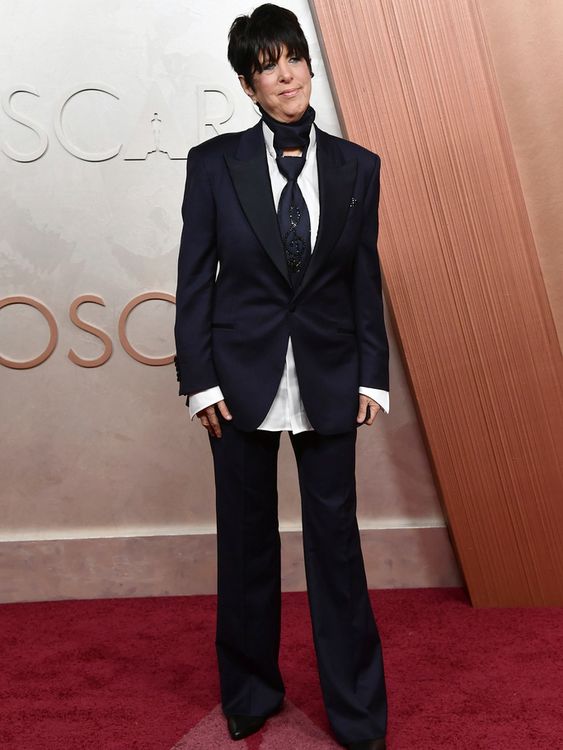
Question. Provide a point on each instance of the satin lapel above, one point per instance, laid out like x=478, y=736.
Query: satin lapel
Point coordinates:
x=336, y=185
x=251, y=179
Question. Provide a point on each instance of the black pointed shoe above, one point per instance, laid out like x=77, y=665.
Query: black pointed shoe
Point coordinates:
x=242, y=726
x=377, y=744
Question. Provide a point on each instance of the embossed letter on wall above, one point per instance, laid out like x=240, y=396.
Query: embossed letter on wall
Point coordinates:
x=94, y=330
x=154, y=130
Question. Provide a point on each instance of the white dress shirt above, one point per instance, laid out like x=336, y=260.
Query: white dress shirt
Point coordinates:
x=287, y=411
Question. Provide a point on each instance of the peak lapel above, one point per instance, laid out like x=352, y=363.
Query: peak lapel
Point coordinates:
x=251, y=179
x=336, y=185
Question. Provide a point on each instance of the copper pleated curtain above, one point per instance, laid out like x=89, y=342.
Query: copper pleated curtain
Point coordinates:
x=414, y=81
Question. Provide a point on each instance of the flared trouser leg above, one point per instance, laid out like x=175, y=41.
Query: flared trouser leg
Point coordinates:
x=347, y=643
x=248, y=570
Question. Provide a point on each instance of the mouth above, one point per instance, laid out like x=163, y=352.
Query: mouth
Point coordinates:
x=289, y=93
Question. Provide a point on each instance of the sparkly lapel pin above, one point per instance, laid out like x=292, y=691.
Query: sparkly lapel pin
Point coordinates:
x=353, y=202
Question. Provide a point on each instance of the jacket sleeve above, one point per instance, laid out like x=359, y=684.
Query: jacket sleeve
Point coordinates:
x=370, y=324
x=197, y=266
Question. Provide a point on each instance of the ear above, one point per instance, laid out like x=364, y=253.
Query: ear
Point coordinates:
x=248, y=90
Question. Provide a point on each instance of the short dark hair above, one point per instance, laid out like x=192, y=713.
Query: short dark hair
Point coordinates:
x=265, y=32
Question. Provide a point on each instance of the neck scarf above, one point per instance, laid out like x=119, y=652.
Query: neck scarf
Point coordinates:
x=290, y=134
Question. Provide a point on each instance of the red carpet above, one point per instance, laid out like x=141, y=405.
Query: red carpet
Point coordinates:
x=139, y=674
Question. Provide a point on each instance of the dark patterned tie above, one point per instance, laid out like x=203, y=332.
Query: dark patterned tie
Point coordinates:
x=293, y=218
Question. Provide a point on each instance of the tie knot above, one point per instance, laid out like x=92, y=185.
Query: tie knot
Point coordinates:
x=290, y=166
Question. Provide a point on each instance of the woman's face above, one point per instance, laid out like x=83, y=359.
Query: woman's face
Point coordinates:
x=283, y=88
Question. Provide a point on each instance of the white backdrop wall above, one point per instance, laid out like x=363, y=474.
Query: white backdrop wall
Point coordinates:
x=106, y=487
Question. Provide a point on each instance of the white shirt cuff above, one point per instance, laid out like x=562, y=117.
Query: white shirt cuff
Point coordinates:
x=203, y=399
x=382, y=397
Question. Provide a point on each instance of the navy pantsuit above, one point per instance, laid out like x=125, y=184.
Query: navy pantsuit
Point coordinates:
x=232, y=330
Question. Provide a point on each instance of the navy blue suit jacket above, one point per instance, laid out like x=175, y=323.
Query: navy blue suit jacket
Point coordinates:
x=233, y=330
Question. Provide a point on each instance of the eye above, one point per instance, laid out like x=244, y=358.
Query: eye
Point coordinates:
x=295, y=59
x=268, y=66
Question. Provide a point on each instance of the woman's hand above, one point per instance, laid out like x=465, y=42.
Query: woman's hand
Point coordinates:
x=209, y=417
x=374, y=408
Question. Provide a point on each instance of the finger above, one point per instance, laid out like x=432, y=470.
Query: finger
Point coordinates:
x=224, y=410
x=374, y=409
x=362, y=411
x=204, y=421
x=215, y=427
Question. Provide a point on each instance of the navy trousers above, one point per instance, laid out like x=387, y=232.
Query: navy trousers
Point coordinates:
x=347, y=644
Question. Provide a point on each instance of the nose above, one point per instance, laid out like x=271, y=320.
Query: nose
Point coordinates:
x=284, y=70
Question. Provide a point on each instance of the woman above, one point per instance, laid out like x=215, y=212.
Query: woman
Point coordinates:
x=288, y=335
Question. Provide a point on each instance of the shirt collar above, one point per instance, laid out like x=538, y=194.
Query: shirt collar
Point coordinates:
x=269, y=140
